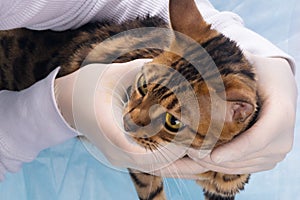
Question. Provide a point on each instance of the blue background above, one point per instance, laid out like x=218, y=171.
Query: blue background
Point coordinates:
x=69, y=172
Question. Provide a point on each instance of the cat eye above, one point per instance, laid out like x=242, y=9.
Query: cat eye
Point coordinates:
x=172, y=123
x=142, y=85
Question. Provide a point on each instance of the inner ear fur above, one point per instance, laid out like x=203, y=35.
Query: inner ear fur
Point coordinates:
x=241, y=101
x=239, y=111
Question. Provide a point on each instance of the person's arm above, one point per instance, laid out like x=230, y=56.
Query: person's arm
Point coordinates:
x=271, y=137
x=62, y=15
x=29, y=123
x=30, y=119
x=66, y=19
x=264, y=56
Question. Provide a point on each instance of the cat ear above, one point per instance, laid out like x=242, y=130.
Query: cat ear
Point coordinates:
x=238, y=111
x=239, y=108
x=186, y=18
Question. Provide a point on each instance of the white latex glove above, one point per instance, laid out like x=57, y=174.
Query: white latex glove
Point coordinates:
x=263, y=145
x=271, y=137
x=90, y=101
x=258, y=149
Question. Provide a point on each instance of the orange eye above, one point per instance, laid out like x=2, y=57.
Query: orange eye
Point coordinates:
x=172, y=123
x=142, y=85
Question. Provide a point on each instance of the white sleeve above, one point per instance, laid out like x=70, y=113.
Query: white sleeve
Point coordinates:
x=232, y=26
x=29, y=123
x=62, y=15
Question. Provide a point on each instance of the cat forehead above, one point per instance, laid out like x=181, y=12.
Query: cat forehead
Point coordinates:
x=157, y=69
x=173, y=70
x=170, y=87
x=165, y=78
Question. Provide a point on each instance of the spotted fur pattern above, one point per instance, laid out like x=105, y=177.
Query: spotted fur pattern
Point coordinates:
x=27, y=56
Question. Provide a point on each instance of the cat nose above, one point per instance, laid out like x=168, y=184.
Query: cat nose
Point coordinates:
x=129, y=124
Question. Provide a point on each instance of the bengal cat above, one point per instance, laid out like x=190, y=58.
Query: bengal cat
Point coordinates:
x=27, y=56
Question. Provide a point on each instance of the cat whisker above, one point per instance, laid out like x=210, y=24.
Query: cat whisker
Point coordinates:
x=127, y=95
x=178, y=182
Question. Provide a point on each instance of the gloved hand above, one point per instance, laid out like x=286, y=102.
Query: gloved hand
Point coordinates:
x=91, y=101
x=258, y=149
x=270, y=139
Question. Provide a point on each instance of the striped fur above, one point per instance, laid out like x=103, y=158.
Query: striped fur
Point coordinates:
x=27, y=56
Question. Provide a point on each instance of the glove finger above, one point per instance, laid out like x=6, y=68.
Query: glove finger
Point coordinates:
x=182, y=168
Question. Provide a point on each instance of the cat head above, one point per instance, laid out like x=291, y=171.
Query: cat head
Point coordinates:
x=189, y=109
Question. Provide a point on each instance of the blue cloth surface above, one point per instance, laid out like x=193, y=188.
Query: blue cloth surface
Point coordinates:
x=69, y=172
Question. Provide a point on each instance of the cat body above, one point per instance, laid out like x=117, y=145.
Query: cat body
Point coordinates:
x=27, y=56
